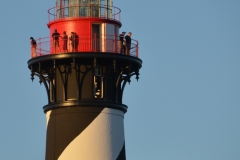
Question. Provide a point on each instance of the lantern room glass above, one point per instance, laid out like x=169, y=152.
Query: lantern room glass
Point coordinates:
x=83, y=8
x=66, y=2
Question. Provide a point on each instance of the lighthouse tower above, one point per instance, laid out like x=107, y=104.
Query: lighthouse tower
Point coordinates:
x=84, y=73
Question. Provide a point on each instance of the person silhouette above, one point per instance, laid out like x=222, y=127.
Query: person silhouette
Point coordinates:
x=65, y=42
x=120, y=42
x=128, y=43
x=33, y=46
x=55, y=37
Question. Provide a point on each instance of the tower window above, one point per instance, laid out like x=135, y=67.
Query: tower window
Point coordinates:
x=98, y=82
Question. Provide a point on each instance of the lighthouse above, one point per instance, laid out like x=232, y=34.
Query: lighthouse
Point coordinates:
x=84, y=71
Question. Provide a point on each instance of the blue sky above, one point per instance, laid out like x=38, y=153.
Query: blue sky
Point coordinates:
x=186, y=105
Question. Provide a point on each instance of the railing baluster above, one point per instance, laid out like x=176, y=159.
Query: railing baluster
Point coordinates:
x=137, y=50
x=114, y=42
x=40, y=47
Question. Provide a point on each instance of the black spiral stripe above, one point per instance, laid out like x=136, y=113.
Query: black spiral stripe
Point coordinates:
x=122, y=154
x=65, y=125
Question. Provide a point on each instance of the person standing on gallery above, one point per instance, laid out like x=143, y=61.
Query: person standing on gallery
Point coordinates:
x=74, y=41
x=65, y=42
x=33, y=47
x=120, y=42
x=128, y=43
x=55, y=37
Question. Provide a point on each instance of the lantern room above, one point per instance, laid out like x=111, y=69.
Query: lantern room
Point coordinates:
x=95, y=22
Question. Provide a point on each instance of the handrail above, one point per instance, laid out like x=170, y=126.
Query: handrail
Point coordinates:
x=85, y=43
x=84, y=11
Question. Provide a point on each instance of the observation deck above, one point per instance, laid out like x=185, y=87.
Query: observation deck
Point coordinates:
x=86, y=44
x=84, y=11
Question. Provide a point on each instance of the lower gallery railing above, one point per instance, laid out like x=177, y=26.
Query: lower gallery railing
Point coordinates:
x=110, y=44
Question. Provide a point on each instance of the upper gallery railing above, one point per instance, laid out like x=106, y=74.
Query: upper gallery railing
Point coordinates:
x=84, y=11
x=84, y=43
